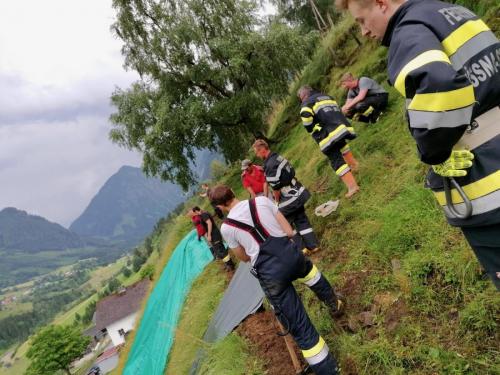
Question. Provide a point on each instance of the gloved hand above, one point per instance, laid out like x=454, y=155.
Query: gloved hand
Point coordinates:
x=455, y=165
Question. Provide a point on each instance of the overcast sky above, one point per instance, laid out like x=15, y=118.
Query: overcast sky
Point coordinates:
x=59, y=64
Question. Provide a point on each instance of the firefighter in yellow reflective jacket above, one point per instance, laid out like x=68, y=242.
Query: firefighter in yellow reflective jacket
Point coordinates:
x=446, y=62
x=322, y=118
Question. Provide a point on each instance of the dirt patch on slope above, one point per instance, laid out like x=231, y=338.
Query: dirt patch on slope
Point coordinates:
x=260, y=329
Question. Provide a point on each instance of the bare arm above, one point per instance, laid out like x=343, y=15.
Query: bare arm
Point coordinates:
x=361, y=96
x=252, y=193
x=240, y=254
x=284, y=224
x=266, y=190
x=209, y=230
x=277, y=195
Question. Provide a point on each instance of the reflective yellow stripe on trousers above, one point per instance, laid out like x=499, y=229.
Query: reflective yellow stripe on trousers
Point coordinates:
x=312, y=277
x=317, y=353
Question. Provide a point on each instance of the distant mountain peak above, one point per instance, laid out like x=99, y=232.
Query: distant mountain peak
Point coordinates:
x=22, y=231
x=127, y=206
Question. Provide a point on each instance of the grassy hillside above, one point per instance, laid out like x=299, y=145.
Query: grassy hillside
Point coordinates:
x=418, y=302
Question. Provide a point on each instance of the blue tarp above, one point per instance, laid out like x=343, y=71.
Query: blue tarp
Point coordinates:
x=156, y=332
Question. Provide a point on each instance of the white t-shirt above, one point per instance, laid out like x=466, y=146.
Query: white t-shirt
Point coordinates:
x=235, y=237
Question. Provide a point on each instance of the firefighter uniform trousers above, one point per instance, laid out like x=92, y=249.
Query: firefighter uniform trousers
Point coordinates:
x=336, y=156
x=299, y=220
x=278, y=264
x=219, y=251
x=370, y=108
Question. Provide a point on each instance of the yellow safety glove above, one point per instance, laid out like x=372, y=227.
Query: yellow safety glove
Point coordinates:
x=455, y=165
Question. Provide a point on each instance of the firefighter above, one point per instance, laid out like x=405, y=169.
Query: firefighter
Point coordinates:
x=445, y=61
x=257, y=232
x=365, y=99
x=288, y=193
x=206, y=227
x=322, y=118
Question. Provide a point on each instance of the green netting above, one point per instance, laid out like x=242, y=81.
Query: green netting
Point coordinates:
x=156, y=332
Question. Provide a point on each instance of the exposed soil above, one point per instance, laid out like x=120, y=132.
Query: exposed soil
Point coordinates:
x=261, y=330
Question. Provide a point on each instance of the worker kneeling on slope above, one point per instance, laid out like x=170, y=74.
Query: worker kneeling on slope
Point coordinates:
x=365, y=99
x=322, y=118
x=257, y=232
x=206, y=227
x=288, y=193
x=445, y=62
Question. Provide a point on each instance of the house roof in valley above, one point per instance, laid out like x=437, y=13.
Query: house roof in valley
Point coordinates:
x=120, y=305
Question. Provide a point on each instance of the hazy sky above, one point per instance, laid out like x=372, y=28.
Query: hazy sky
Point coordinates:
x=59, y=63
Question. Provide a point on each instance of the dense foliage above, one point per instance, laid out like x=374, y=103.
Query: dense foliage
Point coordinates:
x=209, y=72
x=301, y=13
x=54, y=348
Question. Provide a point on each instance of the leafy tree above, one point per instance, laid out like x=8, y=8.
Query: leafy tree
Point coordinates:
x=218, y=169
x=148, y=245
x=148, y=272
x=54, y=348
x=89, y=312
x=113, y=285
x=300, y=12
x=209, y=71
x=137, y=262
x=126, y=272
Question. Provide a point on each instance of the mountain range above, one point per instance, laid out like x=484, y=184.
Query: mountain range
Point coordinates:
x=119, y=216
x=127, y=207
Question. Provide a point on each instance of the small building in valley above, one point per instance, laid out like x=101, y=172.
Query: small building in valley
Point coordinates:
x=116, y=314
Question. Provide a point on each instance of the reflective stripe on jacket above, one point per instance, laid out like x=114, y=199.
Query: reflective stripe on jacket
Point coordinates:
x=280, y=175
x=322, y=118
x=446, y=62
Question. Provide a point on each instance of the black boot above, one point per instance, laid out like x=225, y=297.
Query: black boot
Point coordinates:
x=336, y=305
x=229, y=265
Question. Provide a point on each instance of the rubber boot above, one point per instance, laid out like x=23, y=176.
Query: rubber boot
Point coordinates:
x=351, y=160
x=352, y=186
x=328, y=366
x=229, y=265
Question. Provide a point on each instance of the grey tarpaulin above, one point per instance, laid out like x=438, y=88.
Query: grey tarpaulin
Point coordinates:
x=242, y=298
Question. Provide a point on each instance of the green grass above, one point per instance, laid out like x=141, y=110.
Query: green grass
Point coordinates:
x=230, y=357
x=171, y=234
x=446, y=317
x=199, y=307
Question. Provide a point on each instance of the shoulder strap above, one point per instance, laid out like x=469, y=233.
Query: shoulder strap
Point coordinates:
x=256, y=220
x=258, y=232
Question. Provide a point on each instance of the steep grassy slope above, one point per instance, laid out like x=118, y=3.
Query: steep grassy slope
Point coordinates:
x=418, y=301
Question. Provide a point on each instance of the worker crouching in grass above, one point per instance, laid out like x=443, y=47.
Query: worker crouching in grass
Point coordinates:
x=206, y=227
x=257, y=232
x=322, y=118
x=366, y=99
x=289, y=194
